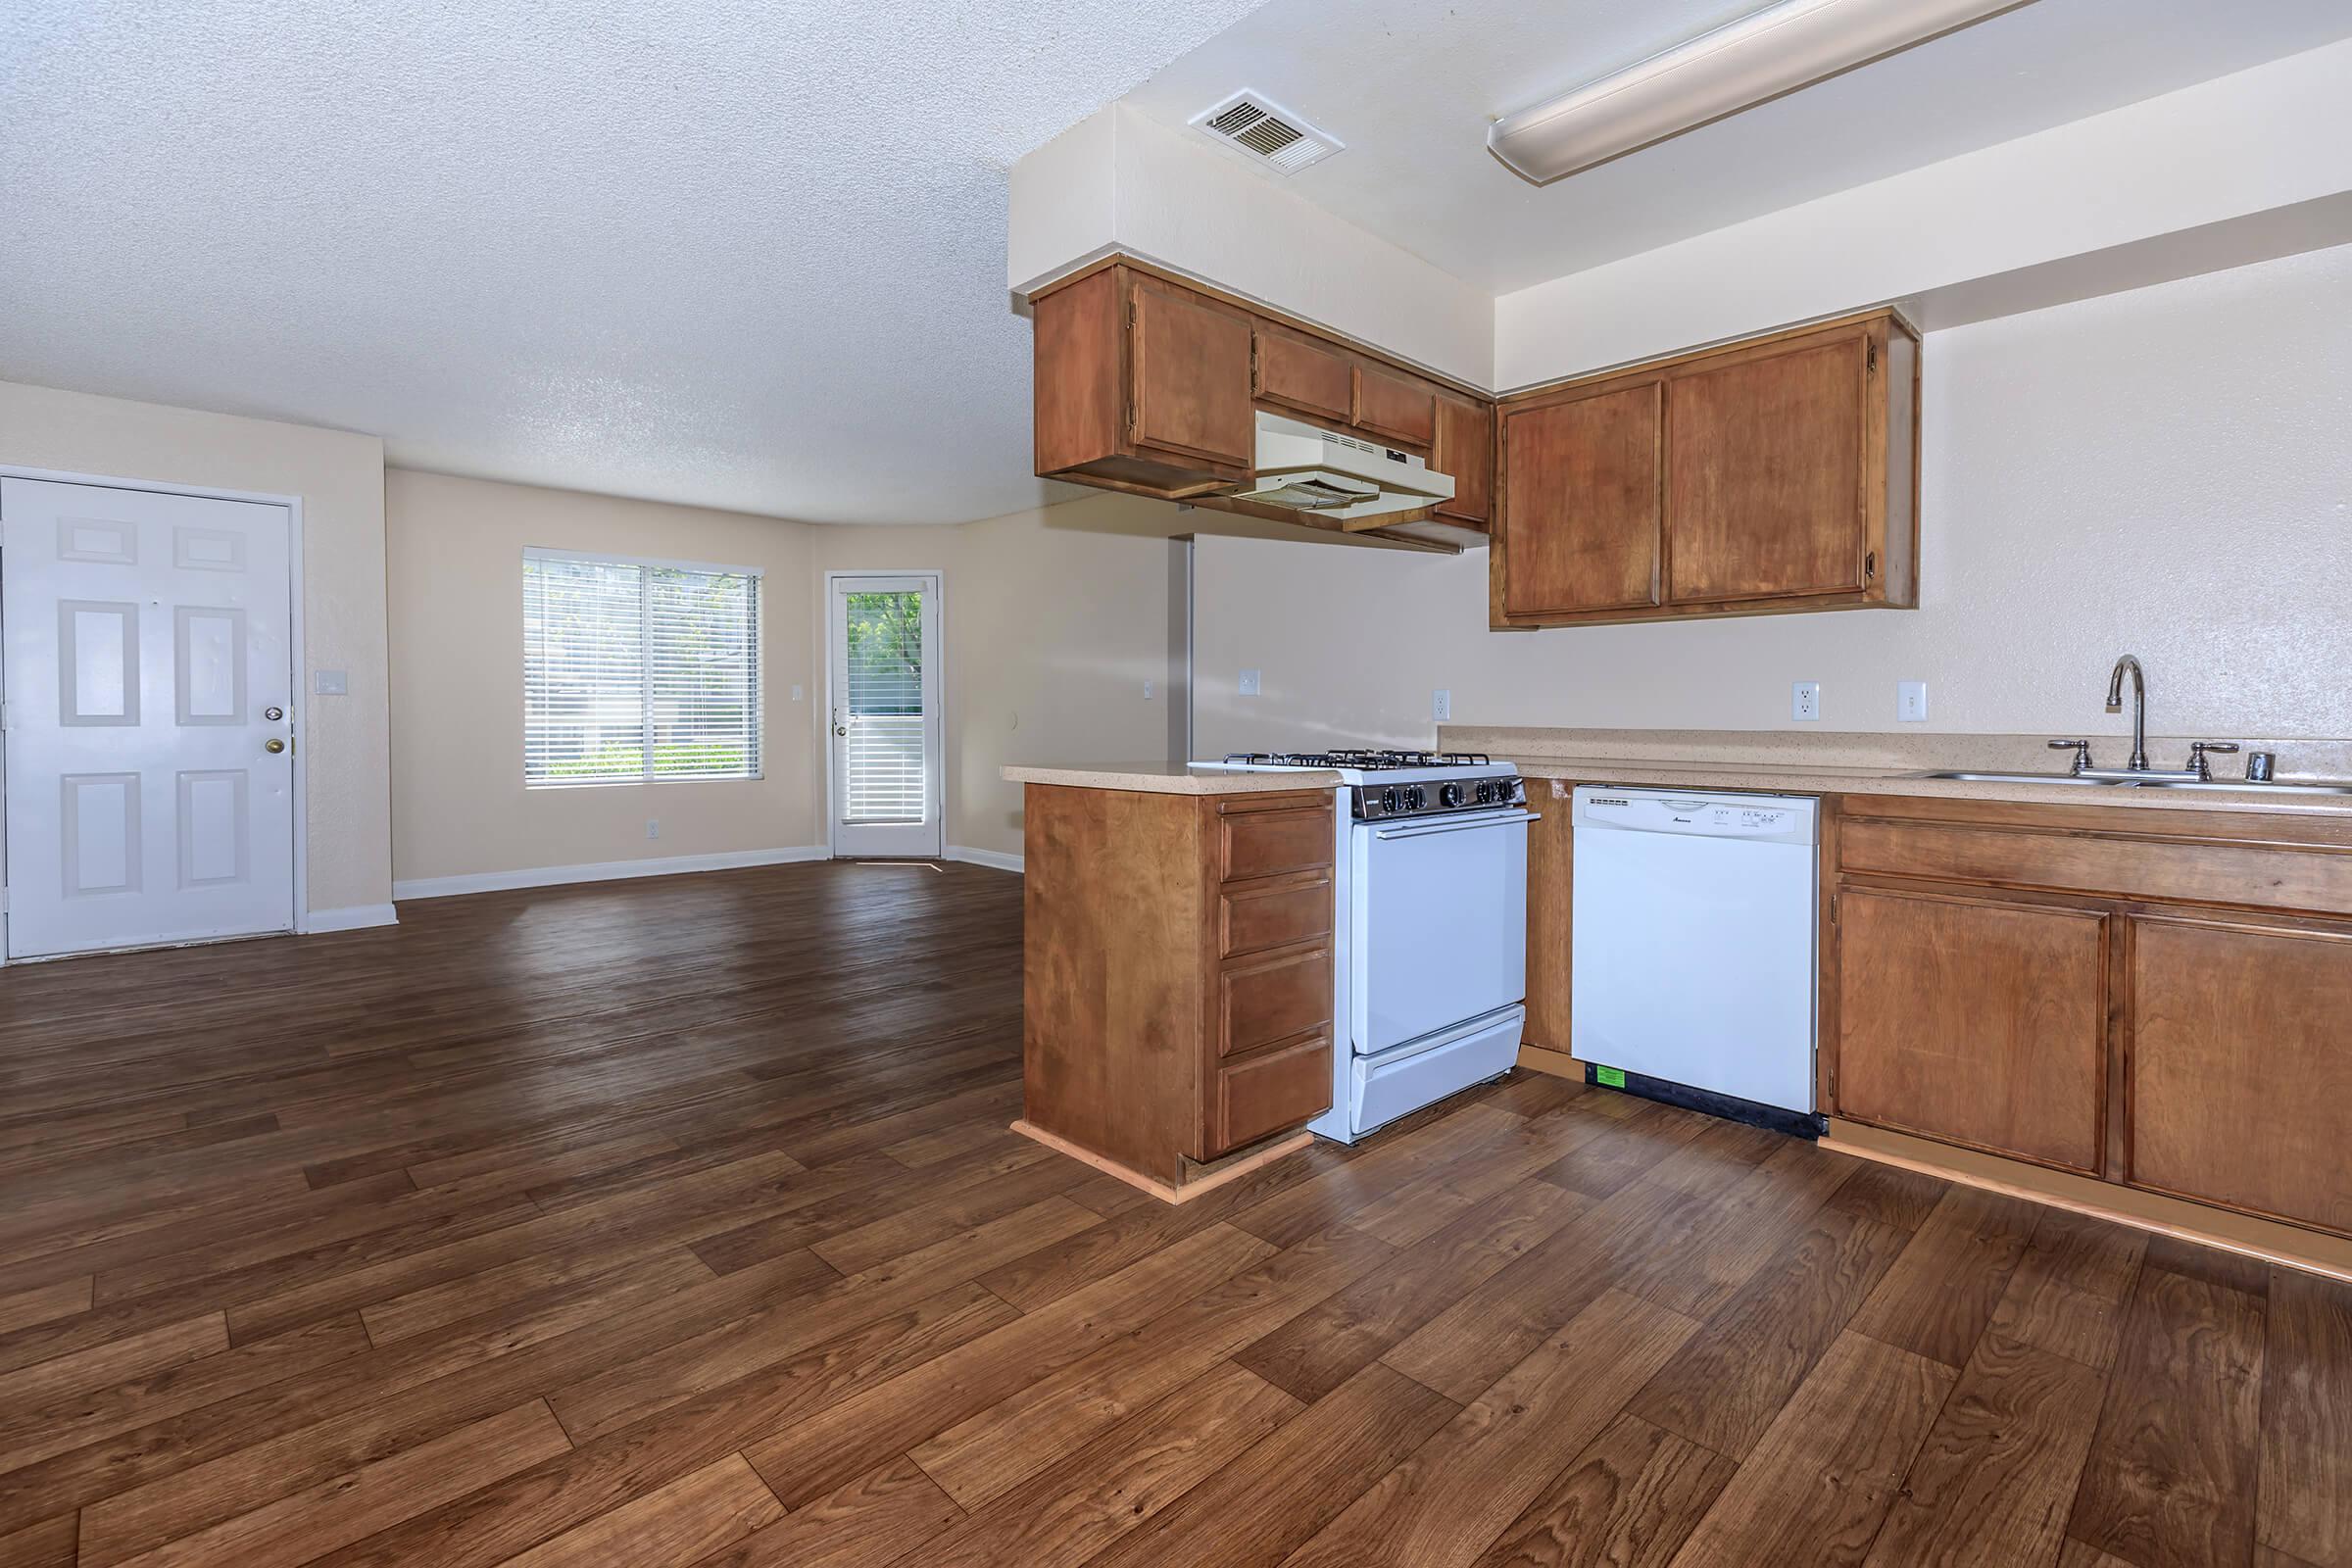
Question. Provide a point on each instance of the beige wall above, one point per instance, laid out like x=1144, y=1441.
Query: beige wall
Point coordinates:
x=339, y=476
x=455, y=564
x=2164, y=471
x=1052, y=620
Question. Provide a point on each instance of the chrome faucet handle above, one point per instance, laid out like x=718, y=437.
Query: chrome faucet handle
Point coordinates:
x=2081, y=751
x=2198, y=751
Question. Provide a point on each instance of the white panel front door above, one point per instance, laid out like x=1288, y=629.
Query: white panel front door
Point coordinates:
x=147, y=669
x=883, y=725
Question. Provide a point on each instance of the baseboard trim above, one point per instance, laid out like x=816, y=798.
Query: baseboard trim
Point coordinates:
x=996, y=858
x=358, y=917
x=549, y=876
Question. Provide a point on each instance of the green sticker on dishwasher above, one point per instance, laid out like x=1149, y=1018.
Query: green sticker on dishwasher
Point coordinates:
x=1609, y=1077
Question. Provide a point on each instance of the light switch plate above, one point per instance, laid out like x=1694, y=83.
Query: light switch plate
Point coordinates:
x=332, y=683
x=1911, y=701
x=1804, y=703
x=795, y=691
x=1147, y=691
x=1248, y=684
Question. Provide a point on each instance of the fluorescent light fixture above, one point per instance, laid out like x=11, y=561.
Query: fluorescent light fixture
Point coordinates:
x=1773, y=51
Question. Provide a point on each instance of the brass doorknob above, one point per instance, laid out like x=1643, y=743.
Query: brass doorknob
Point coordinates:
x=273, y=745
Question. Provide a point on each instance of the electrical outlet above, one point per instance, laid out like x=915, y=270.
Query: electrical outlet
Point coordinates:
x=1805, y=705
x=653, y=827
x=1911, y=701
x=1441, y=706
x=1248, y=684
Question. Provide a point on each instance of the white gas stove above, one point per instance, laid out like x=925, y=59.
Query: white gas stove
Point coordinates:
x=1430, y=927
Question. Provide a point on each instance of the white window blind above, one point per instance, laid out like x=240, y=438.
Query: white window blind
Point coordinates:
x=638, y=670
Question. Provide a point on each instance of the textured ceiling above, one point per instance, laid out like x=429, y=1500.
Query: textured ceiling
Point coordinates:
x=739, y=255
x=1410, y=87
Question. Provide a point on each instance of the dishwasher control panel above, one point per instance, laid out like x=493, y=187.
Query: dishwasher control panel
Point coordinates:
x=1768, y=819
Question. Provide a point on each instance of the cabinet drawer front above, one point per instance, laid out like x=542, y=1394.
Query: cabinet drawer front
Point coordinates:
x=1262, y=1002
x=1265, y=843
x=1255, y=918
x=2241, y=1085
x=1303, y=375
x=1975, y=1021
x=1270, y=1093
x=2116, y=867
x=1391, y=406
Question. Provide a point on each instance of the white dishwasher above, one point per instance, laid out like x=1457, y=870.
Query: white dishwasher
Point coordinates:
x=1692, y=953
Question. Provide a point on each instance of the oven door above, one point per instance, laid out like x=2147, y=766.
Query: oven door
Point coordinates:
x=1438, y=923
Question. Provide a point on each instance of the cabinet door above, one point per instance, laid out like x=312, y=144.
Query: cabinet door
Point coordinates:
x=2241, y=1079
x=1974, y=1020
x=1190, y=369
x=1580, y=503
x=1394, y=407
x=1464, y=449
x=1764, y=473
x=1302, y=374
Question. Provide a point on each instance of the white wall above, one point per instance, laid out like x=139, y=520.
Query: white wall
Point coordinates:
x=346, y=749
x=2166, y=471
x=1121, y=181
x=2255, y=141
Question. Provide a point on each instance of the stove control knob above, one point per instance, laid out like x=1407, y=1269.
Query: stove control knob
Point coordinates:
x=1449, y=795
x=1416, y=796
x=1391, y=800
x=1485, y=792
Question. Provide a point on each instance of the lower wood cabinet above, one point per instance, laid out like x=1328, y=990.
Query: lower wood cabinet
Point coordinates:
x=2240, y=1052
x=1177, y=977
x=1976, y=1020
x=2158, y=998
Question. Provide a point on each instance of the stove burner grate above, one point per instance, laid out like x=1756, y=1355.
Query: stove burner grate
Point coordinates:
x=1364, y=760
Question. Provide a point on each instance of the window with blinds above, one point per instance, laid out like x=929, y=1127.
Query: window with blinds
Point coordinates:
x=635, y=670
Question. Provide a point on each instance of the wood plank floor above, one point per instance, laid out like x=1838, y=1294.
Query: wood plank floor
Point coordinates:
x=676, y=1223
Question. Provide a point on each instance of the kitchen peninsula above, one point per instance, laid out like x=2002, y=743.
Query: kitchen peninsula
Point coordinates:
x=1177, y=969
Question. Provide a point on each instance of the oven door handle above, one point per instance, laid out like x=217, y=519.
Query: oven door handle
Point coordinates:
x=1496, y=820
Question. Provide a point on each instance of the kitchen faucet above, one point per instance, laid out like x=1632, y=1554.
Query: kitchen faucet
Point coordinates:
x=2140, y=708
x=2198, y=770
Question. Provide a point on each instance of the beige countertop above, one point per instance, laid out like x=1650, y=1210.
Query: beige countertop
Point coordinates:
x=1170, y=778
x=1830, y=763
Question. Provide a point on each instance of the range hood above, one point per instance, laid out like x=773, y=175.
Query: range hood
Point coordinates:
x=1338, y=478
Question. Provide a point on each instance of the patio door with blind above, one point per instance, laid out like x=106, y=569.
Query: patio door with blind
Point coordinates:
x=883, y=723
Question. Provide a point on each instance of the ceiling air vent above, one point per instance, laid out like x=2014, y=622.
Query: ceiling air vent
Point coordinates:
x=1268, y=132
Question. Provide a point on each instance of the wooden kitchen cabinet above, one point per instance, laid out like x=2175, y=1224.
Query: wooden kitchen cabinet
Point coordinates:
x=1145, y=384
x=1293, y=372
x=1177, y=980
x=2154, y=997
x=1142, y=384
x=1579, y=528
x=2240, y=1051
x=1464, y=447
x=1757, y=478
x=1976, y=1020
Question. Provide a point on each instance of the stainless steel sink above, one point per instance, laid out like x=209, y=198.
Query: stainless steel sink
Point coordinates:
x=1965, y=777
x=2236, y=785
x=2249, y=786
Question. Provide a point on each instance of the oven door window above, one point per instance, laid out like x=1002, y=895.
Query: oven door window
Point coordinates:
x=1439, y=925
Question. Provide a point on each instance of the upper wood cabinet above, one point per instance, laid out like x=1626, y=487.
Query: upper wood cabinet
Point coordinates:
x=1396, y=407
x=1579, y=525
x=1147, y=385
x=1762, y=477
x=1464, y=448
x=1297, y=372
x=1143, y=386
